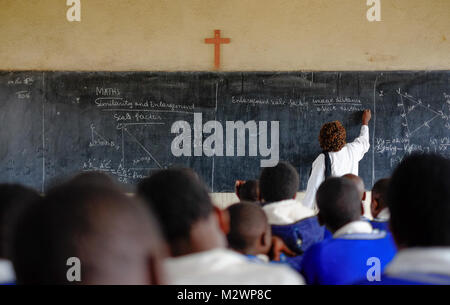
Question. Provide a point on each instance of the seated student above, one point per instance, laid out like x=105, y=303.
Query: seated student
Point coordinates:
x=296, y=224
x=94, y=178
x=419, y=203
x=14, y=198
x=343, y=259
x=191, y=227
x=247, y=190
x=359, y=185
x=250, y=233
x=112, y=235
x=378, y=205
x=362, y=193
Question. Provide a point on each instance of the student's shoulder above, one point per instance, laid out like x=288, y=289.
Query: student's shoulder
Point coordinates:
x=314, y=252
x=274, y=273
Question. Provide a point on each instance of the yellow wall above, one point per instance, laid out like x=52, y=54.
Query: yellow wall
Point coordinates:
x=265, y=35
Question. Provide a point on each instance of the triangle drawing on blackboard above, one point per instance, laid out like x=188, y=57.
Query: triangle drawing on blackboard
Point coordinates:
x=418, y=115
x=147, y=156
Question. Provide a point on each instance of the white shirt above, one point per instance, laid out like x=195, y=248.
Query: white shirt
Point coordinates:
x=432, y=260
x=226, y=267
x=7, y=274
x=384, y=215
x=286, y=212
x=345, y=161
x=354, y=227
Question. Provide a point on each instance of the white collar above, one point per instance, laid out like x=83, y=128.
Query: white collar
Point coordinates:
x=435, y=260
x=211, y=257
x=226, y=267
x=6, y=271
x=286, y=212
x=384, y=215
x=354, y=227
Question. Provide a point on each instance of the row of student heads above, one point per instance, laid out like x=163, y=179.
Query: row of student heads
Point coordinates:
x=124, y=239
x=417, y=197
x=250, y=190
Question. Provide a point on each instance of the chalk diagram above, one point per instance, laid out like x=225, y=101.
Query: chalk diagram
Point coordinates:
x=126, y=134
x=129, y=167
x=417, y=114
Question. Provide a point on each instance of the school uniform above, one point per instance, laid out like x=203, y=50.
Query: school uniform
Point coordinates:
x=260, y=258
x=7, y=275
x=345, y=161
x=418, y=266
x=297, y=225
x=342, y=260
x=292, y=262
x=227, y=267
x=377, y=223
x=286, y=212
x=381, y=222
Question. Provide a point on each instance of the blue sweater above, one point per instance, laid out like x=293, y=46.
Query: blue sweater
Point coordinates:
x=343, y=260
x=380, y=225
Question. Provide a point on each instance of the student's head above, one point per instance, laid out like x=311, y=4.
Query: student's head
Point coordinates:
x=419, y=201
x=339, y=203
x=112, y=235
x=278, y=183
x=14, y=198
x=250, y=232
x=93, y=178
x=182, y=204
x=332, y=136
x=378, y=201
x=247, y=190
x=359, y=185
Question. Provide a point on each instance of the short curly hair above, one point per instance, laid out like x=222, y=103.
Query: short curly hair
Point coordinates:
x=332, y=136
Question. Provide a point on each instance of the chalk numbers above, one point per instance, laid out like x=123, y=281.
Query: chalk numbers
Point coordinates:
x=74, y=11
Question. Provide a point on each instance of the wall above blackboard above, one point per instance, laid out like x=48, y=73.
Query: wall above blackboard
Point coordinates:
x=54, y=124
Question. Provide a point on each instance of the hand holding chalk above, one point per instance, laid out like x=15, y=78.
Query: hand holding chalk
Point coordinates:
x=367, y=115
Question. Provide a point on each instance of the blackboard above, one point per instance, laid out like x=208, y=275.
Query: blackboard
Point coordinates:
x=54, y=124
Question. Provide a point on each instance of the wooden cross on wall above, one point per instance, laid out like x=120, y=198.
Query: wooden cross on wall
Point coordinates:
x=217, y=41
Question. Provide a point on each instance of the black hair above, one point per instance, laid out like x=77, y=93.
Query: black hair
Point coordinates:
x=78, y=221
x=14, y=199
x=94, y=178
x=419, y=201
x=339, y=202
x=178, y=199
x=249, y=191
x=247, y=222
x=278, y=183
x=380, y=189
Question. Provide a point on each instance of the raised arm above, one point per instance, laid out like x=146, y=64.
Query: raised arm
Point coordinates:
x=361, y=144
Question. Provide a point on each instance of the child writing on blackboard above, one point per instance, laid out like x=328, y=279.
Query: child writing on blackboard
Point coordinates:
x=338, y=157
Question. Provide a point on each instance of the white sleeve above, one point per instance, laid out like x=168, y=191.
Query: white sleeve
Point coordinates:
x=314, y=181
x=361, y=144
